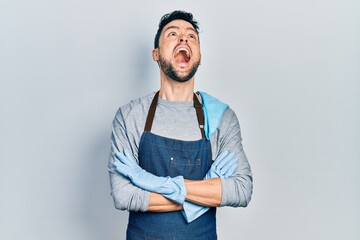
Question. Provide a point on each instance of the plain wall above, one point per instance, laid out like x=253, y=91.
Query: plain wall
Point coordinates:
x=289, y=69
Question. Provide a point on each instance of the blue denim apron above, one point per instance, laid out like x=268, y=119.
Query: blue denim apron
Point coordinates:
x=170, y=157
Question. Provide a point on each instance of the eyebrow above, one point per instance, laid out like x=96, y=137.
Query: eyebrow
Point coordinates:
x=176, y=27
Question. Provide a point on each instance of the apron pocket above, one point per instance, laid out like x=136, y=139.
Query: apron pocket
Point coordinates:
x=189, y=168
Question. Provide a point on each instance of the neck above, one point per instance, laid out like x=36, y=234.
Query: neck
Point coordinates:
x=172, y=90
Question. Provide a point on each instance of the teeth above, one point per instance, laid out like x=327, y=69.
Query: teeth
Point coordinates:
x=183, y=49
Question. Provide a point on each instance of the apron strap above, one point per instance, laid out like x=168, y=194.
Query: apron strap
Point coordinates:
x=151, y=113
x=152, y=109
x=200, y=115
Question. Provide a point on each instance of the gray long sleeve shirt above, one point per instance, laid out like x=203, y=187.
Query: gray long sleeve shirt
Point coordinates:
x=176, y=120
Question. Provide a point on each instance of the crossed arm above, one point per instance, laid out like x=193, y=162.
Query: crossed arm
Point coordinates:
x=235, y=191
x=203, y=192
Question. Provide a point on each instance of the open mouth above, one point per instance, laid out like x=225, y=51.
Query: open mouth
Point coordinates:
x=182, y=55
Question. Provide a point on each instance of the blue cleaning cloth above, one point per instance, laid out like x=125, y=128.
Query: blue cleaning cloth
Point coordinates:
x=192, y=211
x=213, y=111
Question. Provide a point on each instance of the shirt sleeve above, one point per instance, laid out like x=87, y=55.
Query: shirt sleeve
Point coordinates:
x=237, y=189
x=126, y=196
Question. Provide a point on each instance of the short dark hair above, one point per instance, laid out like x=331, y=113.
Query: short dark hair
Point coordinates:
x=175, y=15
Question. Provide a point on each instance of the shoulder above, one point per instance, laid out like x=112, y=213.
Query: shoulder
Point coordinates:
x=206, y=99
x=134, y=108
x=229, y=115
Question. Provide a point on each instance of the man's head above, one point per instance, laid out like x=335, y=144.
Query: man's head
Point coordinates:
x=175, y=15
x=177, y=46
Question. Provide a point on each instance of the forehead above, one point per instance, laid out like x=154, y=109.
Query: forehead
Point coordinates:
x=179, y=24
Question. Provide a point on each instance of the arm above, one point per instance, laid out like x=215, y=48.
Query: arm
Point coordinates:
x=174, y=188
x=159, y=203
x=233, y=191
x=223, y=167
x=125, y=195
x=204, y=192
x=237, y=189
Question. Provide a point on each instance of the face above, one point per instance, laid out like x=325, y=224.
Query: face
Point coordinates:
x=178, y=53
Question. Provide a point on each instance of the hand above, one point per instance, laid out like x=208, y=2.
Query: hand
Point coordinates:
x=172, y=188
x=223, y=167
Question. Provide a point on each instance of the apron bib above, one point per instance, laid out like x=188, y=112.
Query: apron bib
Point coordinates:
x=171, y=157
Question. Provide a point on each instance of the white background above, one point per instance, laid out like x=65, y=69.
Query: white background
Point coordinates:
x=289, y=69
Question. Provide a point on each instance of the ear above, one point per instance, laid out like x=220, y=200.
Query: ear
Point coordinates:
x=155, y=54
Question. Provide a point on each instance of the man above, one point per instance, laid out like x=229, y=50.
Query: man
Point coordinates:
x=176, y=155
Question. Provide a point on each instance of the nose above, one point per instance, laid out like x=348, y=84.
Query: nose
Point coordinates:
x=183, y=38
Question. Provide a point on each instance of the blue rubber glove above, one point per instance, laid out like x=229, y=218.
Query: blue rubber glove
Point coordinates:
x=171, y=188
x=223, y=167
